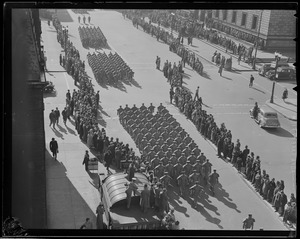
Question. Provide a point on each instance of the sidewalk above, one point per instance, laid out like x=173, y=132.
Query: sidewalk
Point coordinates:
x=207, y=53
x=288, y=108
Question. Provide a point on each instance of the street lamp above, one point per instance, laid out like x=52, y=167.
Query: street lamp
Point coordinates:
x=277, y=59
x=254, y=61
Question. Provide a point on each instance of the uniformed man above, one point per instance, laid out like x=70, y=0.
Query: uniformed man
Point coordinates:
x=159, y=170
x=178, y=167
x=154, y=162
x=206, y=167
x=187, y=168
x=192, y=158
x=195, y=191
x=213, y=181
x=193, y=177
x=165, y=179
x=183, y=182
x=202, y=158
x=182, y=159
x=151, y=108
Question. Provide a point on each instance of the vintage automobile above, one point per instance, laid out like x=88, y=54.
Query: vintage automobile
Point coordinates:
x=113, y=196
x=270, y=66
x=266, y=117
x=283, y=73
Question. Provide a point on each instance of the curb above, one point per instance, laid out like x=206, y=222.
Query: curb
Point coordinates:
x=285, y=116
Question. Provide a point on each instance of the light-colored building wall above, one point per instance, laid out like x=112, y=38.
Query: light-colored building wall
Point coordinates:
x=277, y=27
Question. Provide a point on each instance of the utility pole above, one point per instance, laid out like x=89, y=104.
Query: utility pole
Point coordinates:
x=254, y=61
x=277, y=59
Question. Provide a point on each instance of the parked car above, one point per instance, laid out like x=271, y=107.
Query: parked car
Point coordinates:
x=266, y=117
x=270, y=66
x=283, y=73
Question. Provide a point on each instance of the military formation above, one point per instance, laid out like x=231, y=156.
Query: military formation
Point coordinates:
x=109, y=68
x=92, y=37
x=169, y=154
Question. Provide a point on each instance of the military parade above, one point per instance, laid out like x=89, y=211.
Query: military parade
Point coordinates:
x=155, y=130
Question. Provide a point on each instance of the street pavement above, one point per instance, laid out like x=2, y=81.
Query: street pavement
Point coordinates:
x=72, y=193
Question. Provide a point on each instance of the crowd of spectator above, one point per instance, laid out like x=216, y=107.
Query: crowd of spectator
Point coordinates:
x=92, y=37
x=244, y=160
x=109, y=68
x=81, y=11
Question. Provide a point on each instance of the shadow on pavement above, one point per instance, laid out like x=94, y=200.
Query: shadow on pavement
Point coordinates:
x=205, y=75
x=258, y=90
x=280, y=132
x=221, y=195
x=290, y=103
x=61, y=129
x=53, y=94
x=57, y=133
x=174, y=204
x=59, y=170
x=226, y=78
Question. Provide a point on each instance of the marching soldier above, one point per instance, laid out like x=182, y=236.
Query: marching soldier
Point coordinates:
x=192, y=158
x=206, y=167
x=183, y=182
x=165, y=179
x=187, y=168
x=195, y=191
x=154, y=162
x=193, y=177
x=151, y=108
x=182, y=159
x=177, y=170
x=159, y=170
x=202, y=158
x=170, y=169
x=213, y=180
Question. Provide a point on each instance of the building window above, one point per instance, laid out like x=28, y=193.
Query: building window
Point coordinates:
x=254, y=22
x=244, y=19
x=224, y=15
x=233, y=19
x=217, y=13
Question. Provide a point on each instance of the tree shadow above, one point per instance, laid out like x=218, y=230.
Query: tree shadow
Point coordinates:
x=233, y=71
x=207, y=106
x=205, y=75
x=280, y=132
x=258, y=90
x=103, y=112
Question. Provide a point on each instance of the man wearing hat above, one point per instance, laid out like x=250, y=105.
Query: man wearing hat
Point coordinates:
x=86, y=160
x=195, y=191
x=248, y=223
x=131, y=187
x=100, y=211
x=157, y=191
x=54, y=148
x=206, y=167
x=159, y=170
x=152, y=196
x=183, y=181
x=145, y=199
x=213, y=180
x=187, y=168
x=165, y=179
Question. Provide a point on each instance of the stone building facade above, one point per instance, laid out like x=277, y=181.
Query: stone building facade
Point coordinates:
x=276, y=28
x=28, y=179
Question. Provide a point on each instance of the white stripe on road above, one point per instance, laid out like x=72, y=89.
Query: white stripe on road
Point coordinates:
x=66, y=81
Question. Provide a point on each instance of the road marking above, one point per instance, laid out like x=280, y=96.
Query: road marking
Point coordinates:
x=232, y=105
x=66, y=81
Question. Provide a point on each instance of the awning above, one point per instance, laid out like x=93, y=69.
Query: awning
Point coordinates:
x=114, y=187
